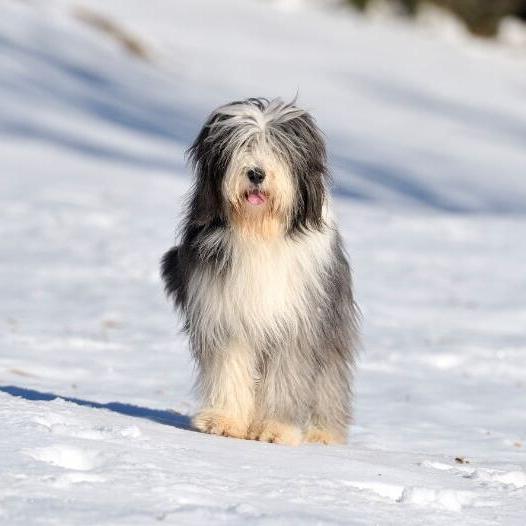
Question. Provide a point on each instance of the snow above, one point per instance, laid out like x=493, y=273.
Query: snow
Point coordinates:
x=426, y=140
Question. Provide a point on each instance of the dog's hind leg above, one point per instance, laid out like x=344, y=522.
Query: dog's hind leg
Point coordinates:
x=226, y=383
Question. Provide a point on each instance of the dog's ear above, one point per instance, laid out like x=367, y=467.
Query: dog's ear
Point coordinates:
x=309, y=164
x=312, y=196
x=205, y=206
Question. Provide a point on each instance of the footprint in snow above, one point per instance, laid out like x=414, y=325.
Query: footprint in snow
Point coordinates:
x=68, y=479
x=438, y=498
x=513, y=479
x=71, y=427
x=68, y=457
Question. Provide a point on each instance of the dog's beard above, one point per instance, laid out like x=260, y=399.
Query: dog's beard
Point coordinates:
x=259, y=211
x=254, y=214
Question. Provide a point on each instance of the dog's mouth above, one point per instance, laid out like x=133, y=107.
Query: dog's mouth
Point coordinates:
x=256, y=197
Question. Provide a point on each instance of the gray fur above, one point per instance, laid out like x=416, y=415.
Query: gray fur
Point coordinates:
x=300, y=357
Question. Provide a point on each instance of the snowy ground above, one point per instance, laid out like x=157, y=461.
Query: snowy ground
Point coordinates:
x=427, y=141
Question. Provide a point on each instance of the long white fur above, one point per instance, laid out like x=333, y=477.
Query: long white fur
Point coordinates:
x=264, y=290
x=263, y=296
x=261, y=292
x=227, y=382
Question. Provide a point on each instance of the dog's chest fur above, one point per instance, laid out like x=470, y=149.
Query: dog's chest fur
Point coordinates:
x=266, y=289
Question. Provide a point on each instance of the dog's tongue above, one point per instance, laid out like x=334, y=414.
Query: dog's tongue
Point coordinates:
x=256, y=198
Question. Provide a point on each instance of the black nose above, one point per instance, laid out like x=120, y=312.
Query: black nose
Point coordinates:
x=256, y=175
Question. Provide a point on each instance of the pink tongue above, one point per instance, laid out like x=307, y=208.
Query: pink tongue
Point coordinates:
x=256, y=198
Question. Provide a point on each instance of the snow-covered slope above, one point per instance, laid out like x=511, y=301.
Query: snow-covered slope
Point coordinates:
x=427, y=141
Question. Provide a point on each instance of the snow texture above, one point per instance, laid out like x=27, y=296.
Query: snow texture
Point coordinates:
x=427, y=144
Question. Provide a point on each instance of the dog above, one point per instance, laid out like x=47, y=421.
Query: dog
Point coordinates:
x=262, y=280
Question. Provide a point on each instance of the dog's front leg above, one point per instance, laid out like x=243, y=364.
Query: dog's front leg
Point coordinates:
x=281, y=398
x=226, y=383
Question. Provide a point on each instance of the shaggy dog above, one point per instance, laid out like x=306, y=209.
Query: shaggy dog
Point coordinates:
x=262, y=281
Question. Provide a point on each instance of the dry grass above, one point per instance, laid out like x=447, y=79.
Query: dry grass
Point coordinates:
x=102, y=23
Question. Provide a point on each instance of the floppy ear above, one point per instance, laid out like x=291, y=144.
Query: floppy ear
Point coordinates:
x=205, y=206
x=309, y=160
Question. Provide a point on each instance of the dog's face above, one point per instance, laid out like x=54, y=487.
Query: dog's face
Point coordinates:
x=258, y=189
x=260, y=167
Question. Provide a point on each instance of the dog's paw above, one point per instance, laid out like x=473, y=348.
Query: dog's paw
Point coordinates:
x=215, y=422
x=276, y=432
x=319, y=435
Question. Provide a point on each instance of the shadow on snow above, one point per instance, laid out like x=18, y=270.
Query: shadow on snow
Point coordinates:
x=166, y=417
x=102, y=92
x=54, y=81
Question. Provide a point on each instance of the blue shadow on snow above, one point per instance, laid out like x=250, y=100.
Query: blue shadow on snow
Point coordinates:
x=160, y=416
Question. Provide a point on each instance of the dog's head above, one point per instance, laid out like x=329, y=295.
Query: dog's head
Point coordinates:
x=261, y=167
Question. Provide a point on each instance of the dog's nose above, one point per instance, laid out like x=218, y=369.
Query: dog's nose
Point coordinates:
x=256, y=175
